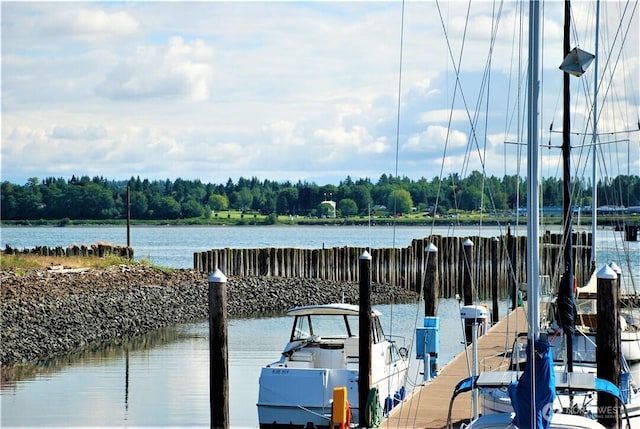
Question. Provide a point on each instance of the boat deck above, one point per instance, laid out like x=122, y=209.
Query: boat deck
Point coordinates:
x=428, y=405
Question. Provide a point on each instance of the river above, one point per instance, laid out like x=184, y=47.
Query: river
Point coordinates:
x=161, y=378
x=173, y=246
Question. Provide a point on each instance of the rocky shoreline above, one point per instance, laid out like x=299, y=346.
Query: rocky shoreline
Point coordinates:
x=47, y=313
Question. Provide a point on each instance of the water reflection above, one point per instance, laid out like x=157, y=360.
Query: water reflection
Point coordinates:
x=162, y=378
x=97, y=354
x=138, y=381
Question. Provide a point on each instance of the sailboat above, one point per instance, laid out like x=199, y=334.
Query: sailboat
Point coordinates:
x=579, y=355
x=585, y=296
x=586, y=321
x=532, y=392
x=586, y=314
x=575, y=348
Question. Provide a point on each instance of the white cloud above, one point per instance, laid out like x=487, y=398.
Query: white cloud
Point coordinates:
x=65, y=27
x=436, y=138
x=71, y=132
x=445, y=115
x=283, y=90
x=340, y=138
x=86, y=24
x=179, y=69
x=283, y=133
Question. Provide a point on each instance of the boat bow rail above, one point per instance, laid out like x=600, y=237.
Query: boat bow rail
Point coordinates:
x=566, y=382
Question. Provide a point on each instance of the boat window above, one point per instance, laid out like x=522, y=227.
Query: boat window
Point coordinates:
x=353, y=325
x=584, y=349
x=377, y=334
x=392, y=355
x=301, y=328
x=586, y=306
x=329, y=326
x=322, y=326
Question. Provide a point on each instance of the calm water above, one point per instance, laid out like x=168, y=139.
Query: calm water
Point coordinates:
x=161, y=378
x=173, y=246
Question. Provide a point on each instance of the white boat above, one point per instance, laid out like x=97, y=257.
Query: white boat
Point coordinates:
x=583, y=399
x=573, y=403
x=558, y=421
x=586, y=323
x=321, y=354
x=583, y=343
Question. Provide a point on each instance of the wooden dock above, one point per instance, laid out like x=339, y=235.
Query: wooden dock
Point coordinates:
x=428, y=405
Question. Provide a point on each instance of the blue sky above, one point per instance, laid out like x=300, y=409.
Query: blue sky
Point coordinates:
x=289, y=90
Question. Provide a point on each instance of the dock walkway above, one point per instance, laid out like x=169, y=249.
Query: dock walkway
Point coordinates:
x=428, y=405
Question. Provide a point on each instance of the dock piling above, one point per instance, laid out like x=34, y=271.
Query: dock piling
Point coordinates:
x=364, y=345
x=467, y=283
x=431, y=284
x=608, y=341
x=494, y=280
x=218, y=351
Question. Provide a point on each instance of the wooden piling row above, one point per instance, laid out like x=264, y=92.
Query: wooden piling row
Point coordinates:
x=99, y=250
x=500, y=260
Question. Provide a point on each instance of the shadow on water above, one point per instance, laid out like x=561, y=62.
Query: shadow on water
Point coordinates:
x=97, y=353
x=105, y=351
x=115, y=349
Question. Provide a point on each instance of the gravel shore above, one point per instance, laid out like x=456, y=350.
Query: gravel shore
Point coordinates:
x=45, y=313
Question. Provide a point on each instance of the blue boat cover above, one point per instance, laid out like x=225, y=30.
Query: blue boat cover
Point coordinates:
x=545, y=389
x=465, y=385
x=603, y=385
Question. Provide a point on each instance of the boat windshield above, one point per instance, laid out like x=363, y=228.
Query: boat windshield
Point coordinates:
x=324, y=326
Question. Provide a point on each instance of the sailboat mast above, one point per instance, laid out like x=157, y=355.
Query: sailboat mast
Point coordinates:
x=594, y=171
x=566, y=284
x=533, y=197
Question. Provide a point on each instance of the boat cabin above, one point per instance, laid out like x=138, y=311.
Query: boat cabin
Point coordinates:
x=322, y=354
x=326, y=336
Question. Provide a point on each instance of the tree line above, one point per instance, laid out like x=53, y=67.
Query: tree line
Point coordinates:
x=99, y=198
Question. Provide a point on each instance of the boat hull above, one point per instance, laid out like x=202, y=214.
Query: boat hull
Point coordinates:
x=558, y=421
x=302, y=397
x=630, y=346
x=497, y=401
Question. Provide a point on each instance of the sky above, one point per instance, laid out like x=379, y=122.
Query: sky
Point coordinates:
x=300, y=91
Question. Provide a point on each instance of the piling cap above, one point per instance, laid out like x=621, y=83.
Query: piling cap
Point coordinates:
x=217, y=277
x=431, y=248
x=615, y=267
x=467, y=243
x=365, y=255
x=606, y=273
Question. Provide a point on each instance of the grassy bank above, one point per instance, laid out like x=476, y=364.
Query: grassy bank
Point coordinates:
x=237, y=218
x=18, y=262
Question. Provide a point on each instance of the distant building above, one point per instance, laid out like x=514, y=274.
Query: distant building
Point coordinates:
x=610, y=210
x=333, y=207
